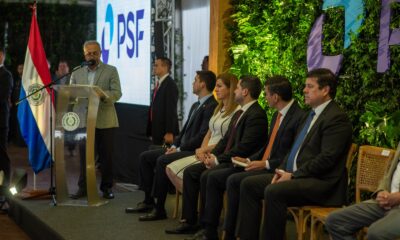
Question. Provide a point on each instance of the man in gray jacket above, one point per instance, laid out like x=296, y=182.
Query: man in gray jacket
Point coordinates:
x=381, y=215
x=106, y=77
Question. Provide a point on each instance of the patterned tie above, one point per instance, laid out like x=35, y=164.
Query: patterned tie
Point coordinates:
x=152, y=100
x=298, y=142
x=267, y=152
x=234, y=120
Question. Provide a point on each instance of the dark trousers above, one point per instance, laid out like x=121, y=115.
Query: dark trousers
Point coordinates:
x=153, y=178
x=216, y=185
x=194, y=181
x=104, y=147
x=233, y=193
x=4, y=159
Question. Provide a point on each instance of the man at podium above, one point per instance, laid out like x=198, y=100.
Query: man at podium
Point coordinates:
x=106, y=77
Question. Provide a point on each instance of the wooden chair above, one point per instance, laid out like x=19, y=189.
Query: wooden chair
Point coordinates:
x=301, y=215
x=371, y=167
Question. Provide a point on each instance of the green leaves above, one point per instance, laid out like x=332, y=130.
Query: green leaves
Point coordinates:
x=270, y=37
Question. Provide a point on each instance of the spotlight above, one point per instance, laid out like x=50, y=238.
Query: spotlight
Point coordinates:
x=19, y=181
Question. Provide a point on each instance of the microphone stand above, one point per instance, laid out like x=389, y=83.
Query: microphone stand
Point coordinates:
x=52, y=190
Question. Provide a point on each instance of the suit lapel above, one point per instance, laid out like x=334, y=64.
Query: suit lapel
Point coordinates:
x=98, y=74
x=315, y=126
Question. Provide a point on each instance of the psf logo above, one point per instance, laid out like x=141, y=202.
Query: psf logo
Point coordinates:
x=127, y=36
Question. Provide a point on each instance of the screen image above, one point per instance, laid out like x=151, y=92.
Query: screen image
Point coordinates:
x=124, y=33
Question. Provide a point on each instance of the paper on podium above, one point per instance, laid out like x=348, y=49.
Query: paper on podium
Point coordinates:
x=97, y=89
x=102, y=94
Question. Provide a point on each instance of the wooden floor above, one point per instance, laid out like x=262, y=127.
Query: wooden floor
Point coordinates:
x=8, y=228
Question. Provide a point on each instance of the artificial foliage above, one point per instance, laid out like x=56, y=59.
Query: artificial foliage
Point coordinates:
x=270, y=38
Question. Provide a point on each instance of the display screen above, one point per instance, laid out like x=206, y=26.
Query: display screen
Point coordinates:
x=124, y=33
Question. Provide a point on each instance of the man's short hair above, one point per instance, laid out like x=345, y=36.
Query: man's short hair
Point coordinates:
x=166, y=61
x=325, y=77
x=209, y=78
x=280, y=85
x=251, y=83
x=91, y=42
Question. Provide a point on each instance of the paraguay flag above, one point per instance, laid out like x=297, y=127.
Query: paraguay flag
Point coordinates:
x=34, y=113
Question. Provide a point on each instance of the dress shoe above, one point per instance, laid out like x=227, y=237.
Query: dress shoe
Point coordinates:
x=79, y=194
x=153, y=216
x=201, y=235
x=108, y=194
x=183, y=228
x=140, y=208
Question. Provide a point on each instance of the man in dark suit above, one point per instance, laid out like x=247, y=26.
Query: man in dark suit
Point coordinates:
x=6, y=85
x=246, y=133
x=284, y=125
x=162, y=122
x=313, y=172
x=153, y=162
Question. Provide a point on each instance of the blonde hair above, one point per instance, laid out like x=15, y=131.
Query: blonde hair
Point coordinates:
x=230, y=81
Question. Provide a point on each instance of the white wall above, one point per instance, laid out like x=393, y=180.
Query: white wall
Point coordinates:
x=196, y=35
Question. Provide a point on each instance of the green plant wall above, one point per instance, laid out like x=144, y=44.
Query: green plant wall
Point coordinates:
x=270, y=37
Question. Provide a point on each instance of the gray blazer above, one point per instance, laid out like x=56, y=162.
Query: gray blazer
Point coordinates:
x=107, y=79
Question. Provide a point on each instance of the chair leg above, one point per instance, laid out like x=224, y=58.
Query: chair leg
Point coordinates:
x=176, y=209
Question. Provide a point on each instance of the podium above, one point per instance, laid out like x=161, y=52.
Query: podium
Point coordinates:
x=75, y=123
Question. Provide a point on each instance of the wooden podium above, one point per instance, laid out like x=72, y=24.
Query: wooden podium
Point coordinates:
x=76, y=115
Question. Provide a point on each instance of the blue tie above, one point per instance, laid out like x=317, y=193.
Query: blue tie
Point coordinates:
x=298, y=142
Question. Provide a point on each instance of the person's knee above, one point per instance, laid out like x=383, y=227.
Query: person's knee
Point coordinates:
x=331, y=221
x=378, y=231
x=272, y=191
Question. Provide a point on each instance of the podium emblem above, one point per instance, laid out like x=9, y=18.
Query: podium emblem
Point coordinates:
x=70, y=121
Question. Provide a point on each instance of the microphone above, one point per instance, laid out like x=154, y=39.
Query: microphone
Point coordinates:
x=88, y=63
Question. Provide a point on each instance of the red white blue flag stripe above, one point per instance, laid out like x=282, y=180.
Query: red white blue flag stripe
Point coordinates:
x=34, y=113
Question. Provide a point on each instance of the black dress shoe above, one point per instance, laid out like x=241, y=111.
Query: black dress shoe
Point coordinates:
x=79, y=194
x=153, y=216
x=140, y=208
x=201, y=235
x=183, y=228
x=108, y=194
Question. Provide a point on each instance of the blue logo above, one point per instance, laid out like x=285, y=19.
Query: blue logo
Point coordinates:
x=110, y=21
x=128, y=33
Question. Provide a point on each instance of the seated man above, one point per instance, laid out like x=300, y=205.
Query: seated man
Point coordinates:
x=246, y=134
x=381, y=215
x=313, y=172
x=153, y=179
x=285, y=122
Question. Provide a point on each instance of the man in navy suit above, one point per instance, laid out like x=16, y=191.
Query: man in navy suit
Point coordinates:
x=246, y=134
x=313, y=172
x=6, y=85
x=153, y=162
x=284, y=125
x=162, y=123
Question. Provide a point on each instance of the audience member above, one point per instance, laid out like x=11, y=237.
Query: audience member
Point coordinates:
x=6, y=86
x=246, y=134
x=313, y=172
x=217, y=127
x=381, y=215
x=153, y=179
x=284, y=125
